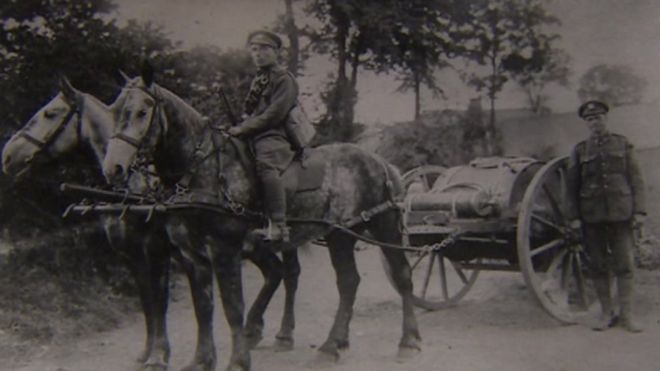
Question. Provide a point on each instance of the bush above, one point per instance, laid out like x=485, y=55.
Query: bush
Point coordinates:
x=436, y=139
x=63, y=284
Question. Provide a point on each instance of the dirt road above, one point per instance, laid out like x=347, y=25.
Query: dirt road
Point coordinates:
x=496, y=327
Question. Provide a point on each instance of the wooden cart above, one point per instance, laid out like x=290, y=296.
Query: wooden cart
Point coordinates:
x=496, y=213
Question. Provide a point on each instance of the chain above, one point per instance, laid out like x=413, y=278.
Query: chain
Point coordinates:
x=236, y=207
x=447, y=241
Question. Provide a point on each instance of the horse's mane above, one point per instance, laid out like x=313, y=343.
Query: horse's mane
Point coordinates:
x=180, y=109
x=185, y=128
x=95, y=100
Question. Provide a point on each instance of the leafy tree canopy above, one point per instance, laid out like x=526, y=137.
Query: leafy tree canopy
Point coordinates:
x=615, y=84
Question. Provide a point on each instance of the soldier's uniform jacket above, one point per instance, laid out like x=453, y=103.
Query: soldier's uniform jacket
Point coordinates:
x=272, y=95
x=604, y=180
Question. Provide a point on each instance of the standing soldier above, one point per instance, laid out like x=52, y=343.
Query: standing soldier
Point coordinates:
x=607, y=193
x=272, y=95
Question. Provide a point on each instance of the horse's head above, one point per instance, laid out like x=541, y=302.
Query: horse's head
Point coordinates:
x=141, y=124
x=53, y=130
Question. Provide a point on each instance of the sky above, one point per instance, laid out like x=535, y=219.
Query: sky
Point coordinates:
x=593, y=32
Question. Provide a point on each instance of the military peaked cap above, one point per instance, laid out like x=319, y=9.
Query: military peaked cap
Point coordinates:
x=593, y=107
x=264, y=38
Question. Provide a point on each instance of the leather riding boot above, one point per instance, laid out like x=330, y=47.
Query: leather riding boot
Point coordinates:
x=275, y=202
x=606, y=318
x=625, y=302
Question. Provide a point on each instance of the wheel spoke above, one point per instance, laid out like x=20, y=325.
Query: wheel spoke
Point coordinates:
x=418, y=260
x=556, y=261
x=443, y=276
x=579, y=278
x=567, y=269
x=553, y=203
x=563, y=189
x=429, y=271
x=546, y=222
x=459, y=271
x=551, y=265
x=547, y=246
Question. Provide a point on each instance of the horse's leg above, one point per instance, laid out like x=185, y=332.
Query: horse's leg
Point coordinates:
x=342, y=255
x=156, y=250
x=191, y=254
x=227, y=264
x=271, y=268
x=284, y=338
x=382, y=229
x=130, y=252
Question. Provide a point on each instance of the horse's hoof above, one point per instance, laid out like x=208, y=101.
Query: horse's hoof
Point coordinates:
x=323, y=360
x=408, y=352
x=208, y=365
x=154, y=367
x=238, y=367
x=197, y=368
x=283, y=344
x=253, y=340
x=143, y=357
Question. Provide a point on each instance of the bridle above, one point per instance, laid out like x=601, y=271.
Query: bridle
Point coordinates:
x=51, y=137
x=156, y=112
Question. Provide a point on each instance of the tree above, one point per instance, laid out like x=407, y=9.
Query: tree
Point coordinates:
x=545, y=66
x=615, y=84
x=498, y=29
x=421, y=44
x=201, y=75
x=334, y=37
x=408, y=37
x=40, y=38
x=289, y=26
x=39, y=42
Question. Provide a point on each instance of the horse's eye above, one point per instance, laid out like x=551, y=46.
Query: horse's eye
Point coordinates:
x=49, y=114
x=141, y=113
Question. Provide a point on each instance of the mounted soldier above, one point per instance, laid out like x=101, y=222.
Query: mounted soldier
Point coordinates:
x=272, y=96
x=607, y=193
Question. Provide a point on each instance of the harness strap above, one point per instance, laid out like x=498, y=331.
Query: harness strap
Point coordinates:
x=31, y=139
x=366, y=216
x=155, y=115
x=183, y=184
x=132, y=141
x=52, y=136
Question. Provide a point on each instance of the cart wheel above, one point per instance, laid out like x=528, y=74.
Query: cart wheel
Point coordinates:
x=422, y=178
x=438, y=282
x=550, y=252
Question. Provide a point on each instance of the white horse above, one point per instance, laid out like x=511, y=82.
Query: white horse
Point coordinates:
x=73, y=118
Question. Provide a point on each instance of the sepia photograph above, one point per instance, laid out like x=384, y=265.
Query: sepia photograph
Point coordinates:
x=373, y=185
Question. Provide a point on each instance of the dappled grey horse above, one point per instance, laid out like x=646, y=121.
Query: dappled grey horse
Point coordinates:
x=158, y=125
x=72, y=118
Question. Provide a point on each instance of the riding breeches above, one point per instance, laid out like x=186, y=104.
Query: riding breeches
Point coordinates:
x=273, y=155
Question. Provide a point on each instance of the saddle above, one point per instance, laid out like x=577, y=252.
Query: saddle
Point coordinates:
x=305, y=172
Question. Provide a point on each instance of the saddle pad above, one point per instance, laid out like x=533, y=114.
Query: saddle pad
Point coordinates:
x=305, y=174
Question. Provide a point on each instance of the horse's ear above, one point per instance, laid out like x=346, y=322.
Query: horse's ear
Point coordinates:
x=124, y=77
x=147, y=73
x=67, y=89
